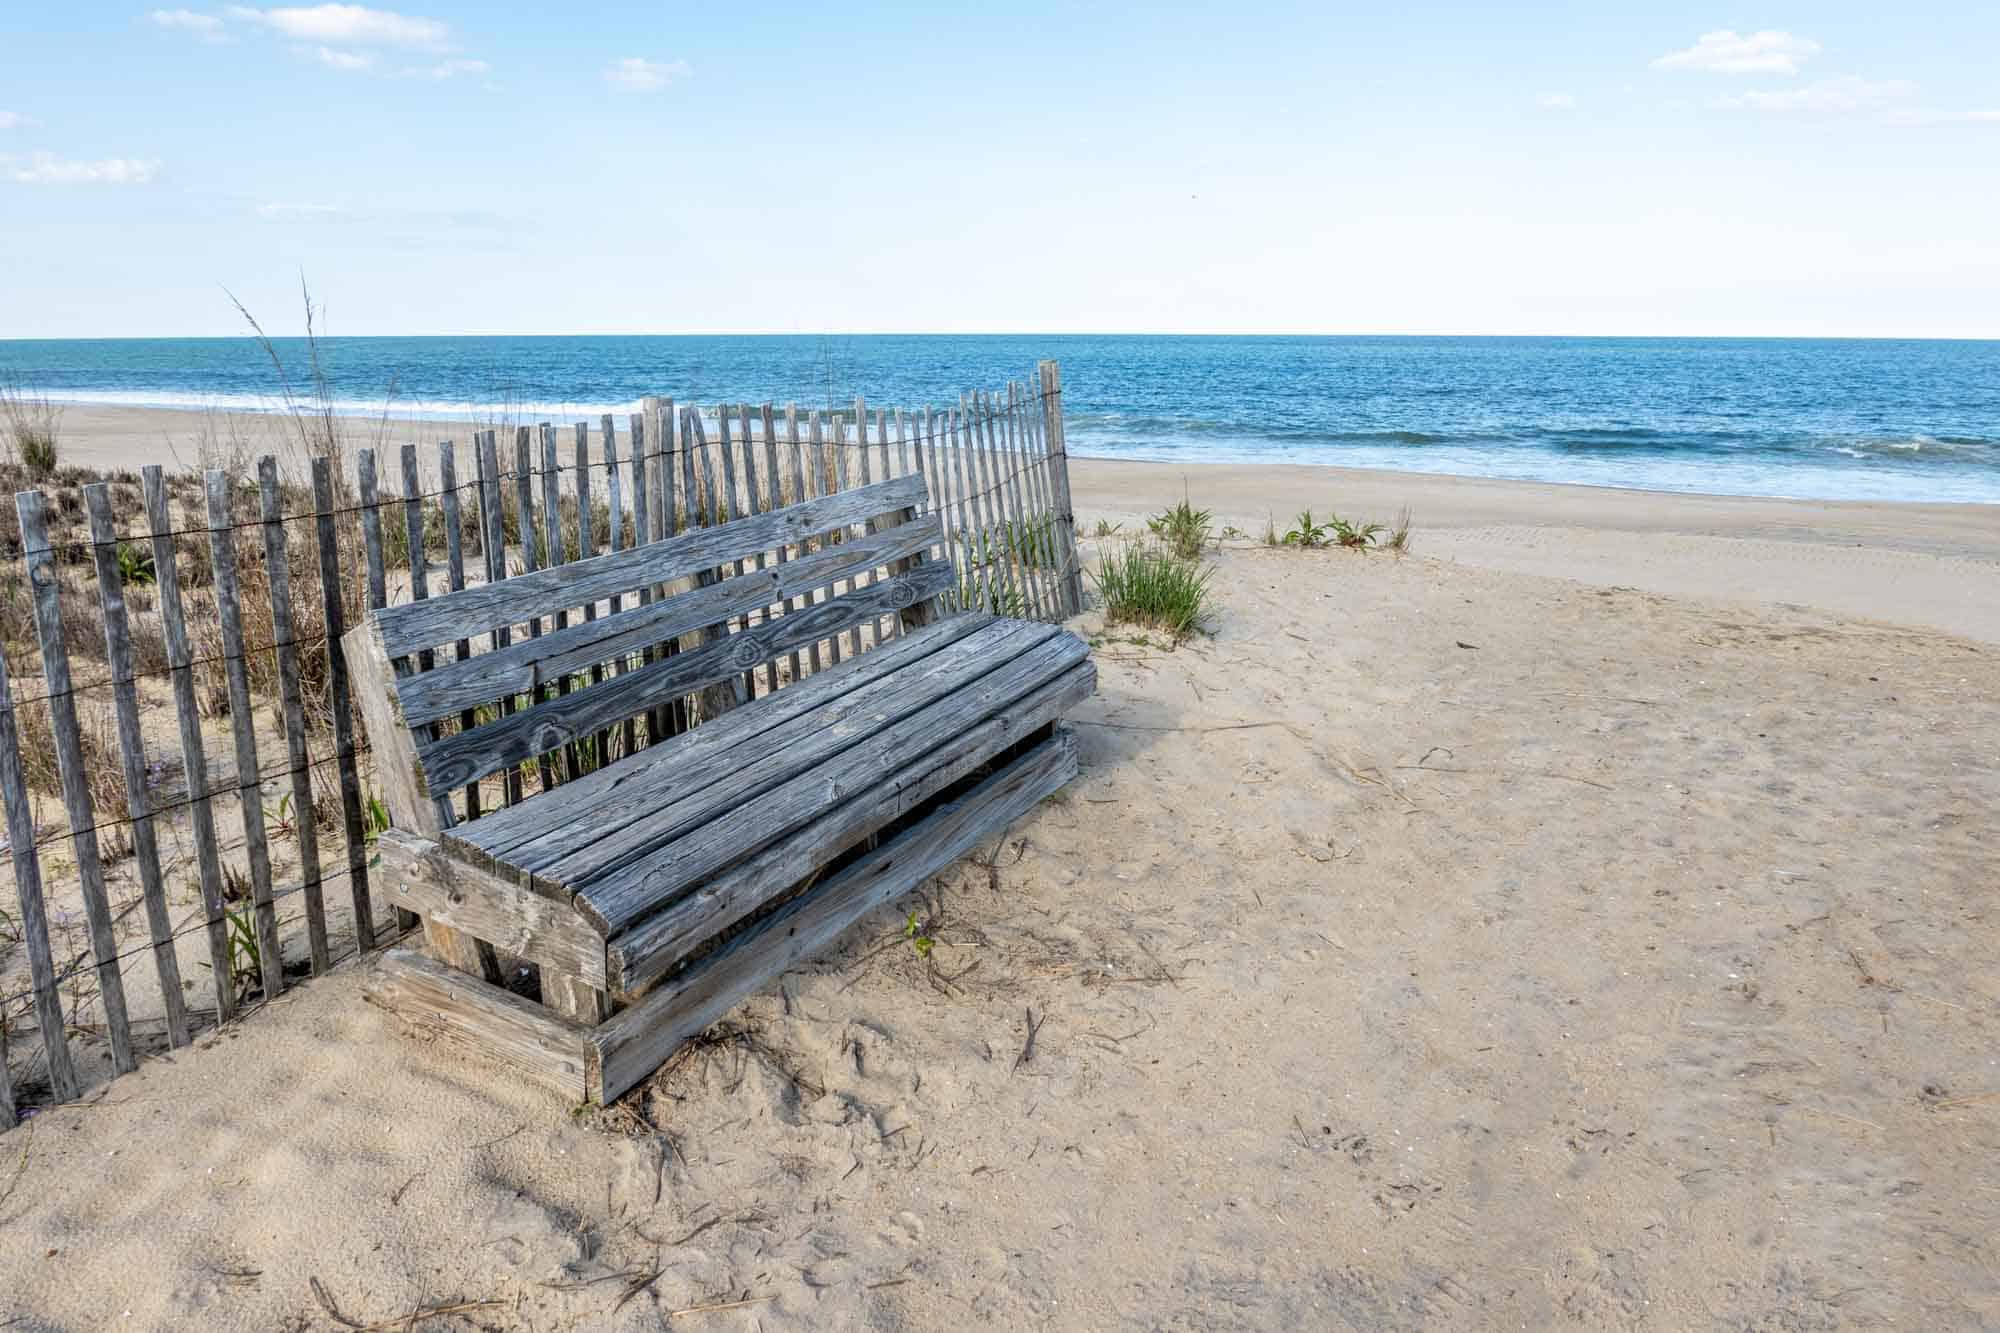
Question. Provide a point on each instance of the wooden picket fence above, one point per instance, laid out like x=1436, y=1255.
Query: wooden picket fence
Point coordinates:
x=193, y=572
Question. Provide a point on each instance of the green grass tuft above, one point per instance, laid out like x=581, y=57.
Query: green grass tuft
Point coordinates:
x=1153, y=586
x=1183, y=530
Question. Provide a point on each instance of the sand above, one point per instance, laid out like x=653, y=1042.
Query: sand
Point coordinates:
x=1586, y=920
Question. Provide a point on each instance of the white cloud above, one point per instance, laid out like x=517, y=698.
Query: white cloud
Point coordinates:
x=1727, y=52
x=12, y=120
x=344, y=60
x=206, y=26
x=348, y=25
x=43, y=169
x=1556, y=102
x=1826, y=97
x=635, y=74
x=445, y=69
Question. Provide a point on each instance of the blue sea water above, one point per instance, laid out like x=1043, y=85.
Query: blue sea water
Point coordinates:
x=1831, y=419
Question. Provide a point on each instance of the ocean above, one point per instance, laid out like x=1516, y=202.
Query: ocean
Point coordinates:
x=1809, y=418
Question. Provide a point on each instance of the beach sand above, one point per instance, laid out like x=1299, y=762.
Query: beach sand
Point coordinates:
x=1586, y=920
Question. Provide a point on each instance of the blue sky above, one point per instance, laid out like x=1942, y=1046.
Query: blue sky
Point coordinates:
x=1787, y=169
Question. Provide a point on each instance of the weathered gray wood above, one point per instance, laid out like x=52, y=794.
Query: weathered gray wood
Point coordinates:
x=330, y=588
x=421, y=876
x=1020, y=536
x=454, y=563
x=650, y=808
x=775, y=499
x=712, y=700
x=449, y=947
x=411, y=626
x=555, y=553
x=194, y=759
x=531, y=542
x=586, y=546
x=243, y=729
x=395, y=747
x=525, y=665
x=34, y=920
x=562, y=990
x=632, y=890
x=8, y=1118
x=455, y=760
x=1035, y=499
x=674, y=505
x=493, y=517
x=659, y=942
x=629, y=733
x=371, y=528
x=452, y=947
x=1031, y=413
x=305, y=818
x=45, y=583
x=808, y=486
x=1058, y=456
x=992, y=518
x=937, y=479
x=132, y=756
x=484, y=1020
x=975, y=572
x=754, y=504
x=600, y=796
x=413, y=530
x=636, y=1041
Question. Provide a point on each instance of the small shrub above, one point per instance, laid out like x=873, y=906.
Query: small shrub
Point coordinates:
x=1307, y=534
x=1149, y=585
x=1183, y=530
x=1399, y=536
x=1353, y=536
x=31, y=424
x=1271, y=535
x=1106, y=528
x=135, y=564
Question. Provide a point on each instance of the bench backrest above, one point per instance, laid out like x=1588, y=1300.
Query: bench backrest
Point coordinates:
x=414, y=719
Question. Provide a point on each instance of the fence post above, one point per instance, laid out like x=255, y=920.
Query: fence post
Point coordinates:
x=194, y=759
x=341, y=696
x=1050, y=373
x=28, y=888
x=243, y=727
x=44, y=579
x=132, y=754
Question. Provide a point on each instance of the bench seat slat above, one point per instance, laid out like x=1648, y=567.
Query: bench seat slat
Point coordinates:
x=633, y=821
x=414, y=625
x=633, y=1043
x=464, y=757
x=616, y=898
x=522, y=666
x=653, y=946
x=490, y=838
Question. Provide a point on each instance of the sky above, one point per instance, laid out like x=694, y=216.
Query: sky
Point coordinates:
x=453, y=168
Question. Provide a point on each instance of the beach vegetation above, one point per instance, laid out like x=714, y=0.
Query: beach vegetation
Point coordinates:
x=30, y=426
x=1306, y=533
x=1106, y=528
x=1398, y=539
x=1272, y=537
x=1182, y=530
x=1149, y=584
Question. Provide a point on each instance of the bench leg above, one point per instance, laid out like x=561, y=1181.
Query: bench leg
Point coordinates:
x=461, y=951
x=574, y=998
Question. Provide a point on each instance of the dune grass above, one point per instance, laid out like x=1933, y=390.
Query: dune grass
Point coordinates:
x=1153, y=586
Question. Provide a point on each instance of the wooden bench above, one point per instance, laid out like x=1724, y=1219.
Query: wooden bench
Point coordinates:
x=651, y=895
